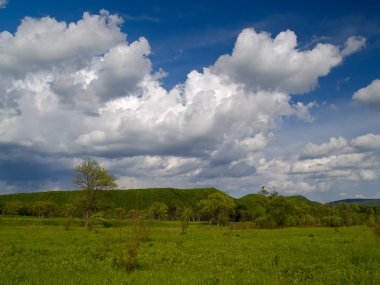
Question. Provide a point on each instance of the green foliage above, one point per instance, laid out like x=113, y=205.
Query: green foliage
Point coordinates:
x=158, y=211
x=140, y=227
x=119, y=213
x=251, y=201
x=185, y=215
x=16, y=207
x=127, y=259
x=69, y=202
x=332, y=221
x=218, y=207
x=91, y=177
x=45, y=209
x=262, y=211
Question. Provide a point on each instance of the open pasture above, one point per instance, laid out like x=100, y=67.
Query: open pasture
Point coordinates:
x=41, y=251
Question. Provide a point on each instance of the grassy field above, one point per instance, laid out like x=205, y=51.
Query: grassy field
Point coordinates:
x=41, y=251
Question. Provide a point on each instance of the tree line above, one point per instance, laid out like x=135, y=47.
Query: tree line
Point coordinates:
x=218, y=208
x=268, y=210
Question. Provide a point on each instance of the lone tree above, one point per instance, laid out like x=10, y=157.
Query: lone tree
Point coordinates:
x=158, y=211
x=218, y=207
x=92, y=177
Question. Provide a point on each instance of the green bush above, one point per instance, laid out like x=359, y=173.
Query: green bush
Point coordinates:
x=332, y=221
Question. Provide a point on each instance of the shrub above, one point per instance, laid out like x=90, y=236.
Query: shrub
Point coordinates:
x=332, y=221
x=133, y=249
x=371, y=221
x=127, y=260
x=185, y=219
x=376, y=230
x=100, y=221
x=158, y=211
x=119, y=213
x=44, y=209
x=18, y=208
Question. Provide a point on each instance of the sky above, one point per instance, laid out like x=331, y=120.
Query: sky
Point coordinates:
x=228, y=94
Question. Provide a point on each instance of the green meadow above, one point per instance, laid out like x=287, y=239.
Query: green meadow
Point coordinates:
x=45, y=251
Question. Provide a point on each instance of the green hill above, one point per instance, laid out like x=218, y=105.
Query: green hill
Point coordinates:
x=250, y=201
x=360, y=202
x=143, y=198
x=127, y=199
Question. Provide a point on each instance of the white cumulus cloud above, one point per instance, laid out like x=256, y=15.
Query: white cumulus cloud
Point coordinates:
x=339, y=160
x=262, y=62
x=80, y=89
x=370, y=94
x=367, y=142
x=353, y=44
x=45, y=43
x=314, y=150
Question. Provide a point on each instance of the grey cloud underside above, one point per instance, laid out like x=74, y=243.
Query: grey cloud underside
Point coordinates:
x=80, y=90
x=24, y=170
x=358, y=159
x=369, y=95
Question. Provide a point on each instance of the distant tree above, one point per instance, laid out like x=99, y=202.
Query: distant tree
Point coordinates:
x=92, y=177
x=263, y=191
x=274, y=193
x=219, y=207
x=241, y=213
x=259, y=216
x=45, y=209
x=18, y=208
x=158, y=211
x=279, y=211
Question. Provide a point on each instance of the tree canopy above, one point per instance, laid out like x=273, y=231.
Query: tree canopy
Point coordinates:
x=91, y=175
x=219, y=207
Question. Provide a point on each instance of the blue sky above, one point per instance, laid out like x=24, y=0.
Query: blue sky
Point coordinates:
x=192, y=94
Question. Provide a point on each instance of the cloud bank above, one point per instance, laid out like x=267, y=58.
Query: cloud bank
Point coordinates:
x=69, y=91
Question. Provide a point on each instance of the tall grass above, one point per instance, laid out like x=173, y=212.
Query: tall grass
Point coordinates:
x=32, y=252
x=376, y=230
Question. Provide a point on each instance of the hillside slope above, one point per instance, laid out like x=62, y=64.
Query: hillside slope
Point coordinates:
x=250, y=201
x=360, y=202
x=127, y=199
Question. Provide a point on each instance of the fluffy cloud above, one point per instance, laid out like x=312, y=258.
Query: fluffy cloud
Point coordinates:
x=78, y=90
x=370, y=94
x=48, y=44
x=315, y=151
x=260, y=62
x=368, y=142
x=353, y=44
x=340, y=159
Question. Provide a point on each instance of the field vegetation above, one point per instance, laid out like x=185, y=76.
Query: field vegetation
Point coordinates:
x=132, y=251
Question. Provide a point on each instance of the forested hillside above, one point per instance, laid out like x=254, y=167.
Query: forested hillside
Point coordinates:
x=263, y=210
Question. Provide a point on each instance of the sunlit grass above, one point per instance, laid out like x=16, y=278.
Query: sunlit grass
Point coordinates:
x=35, y=252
